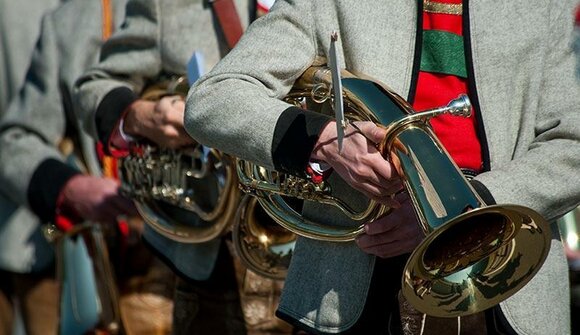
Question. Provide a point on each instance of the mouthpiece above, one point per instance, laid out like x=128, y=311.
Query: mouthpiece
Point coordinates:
x=461, y=106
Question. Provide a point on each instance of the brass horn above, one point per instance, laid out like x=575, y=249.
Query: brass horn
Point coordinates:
x=262, y=245
x=473, y=256
x=189, y=194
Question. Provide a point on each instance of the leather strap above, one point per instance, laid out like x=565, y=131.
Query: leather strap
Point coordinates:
x=108, y=163
x=108, y=25
x=228, y=18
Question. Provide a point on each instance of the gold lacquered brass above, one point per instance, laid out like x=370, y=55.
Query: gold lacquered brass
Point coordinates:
x=272, y=188
x=473, y=256
x=262, y=245
x=188, y=195
x=456, y=271
x=282, y=185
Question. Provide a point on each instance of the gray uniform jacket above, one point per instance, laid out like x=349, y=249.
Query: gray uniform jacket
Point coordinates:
x=19, y=27
x=33, y=170
x=158, y=38
x=576, y=46
x=523, y=69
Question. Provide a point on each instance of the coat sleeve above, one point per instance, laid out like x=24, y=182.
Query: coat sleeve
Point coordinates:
x=128, y=60
x=546, y=176
x=33, y=171
x=236, y=108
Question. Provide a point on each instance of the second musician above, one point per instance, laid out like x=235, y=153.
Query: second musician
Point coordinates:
x=156, y=42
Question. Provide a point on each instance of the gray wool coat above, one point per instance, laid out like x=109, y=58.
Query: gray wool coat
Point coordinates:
x=19, y=26
x=36, y=120
x=158, y=38
x=528, y=97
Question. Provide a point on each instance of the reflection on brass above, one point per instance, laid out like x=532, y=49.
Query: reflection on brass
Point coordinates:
x=473, y=256
x=263, y=246
x=463, y=245
x=456, y=272
x=433, y=199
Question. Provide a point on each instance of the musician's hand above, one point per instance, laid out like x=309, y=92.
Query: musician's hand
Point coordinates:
x=160, y=122
x=96, y=199
x=394, y=234
x=360, y=164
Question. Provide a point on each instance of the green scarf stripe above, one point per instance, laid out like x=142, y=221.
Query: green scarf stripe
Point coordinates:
x=443, y=53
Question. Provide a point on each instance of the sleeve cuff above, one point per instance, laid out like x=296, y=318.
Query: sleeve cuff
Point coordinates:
x=110, y=111
x=296, y=133
x=45, y=186
x=119, y=142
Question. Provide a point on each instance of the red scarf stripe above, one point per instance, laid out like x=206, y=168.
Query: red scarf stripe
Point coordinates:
x=441, y=88
x=444, y=22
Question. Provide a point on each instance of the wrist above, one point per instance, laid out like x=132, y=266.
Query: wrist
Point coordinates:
x=64, y=203
x=45, y=185
x=124, y=135
x=326, y=136
x=120, y=140
x=110, y=110
x=131, y=124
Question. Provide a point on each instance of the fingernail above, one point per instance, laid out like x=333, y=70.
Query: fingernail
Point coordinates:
x=366, y=227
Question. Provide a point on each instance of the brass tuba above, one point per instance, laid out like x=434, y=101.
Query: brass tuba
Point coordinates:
x=473, y=256
x=189, y=194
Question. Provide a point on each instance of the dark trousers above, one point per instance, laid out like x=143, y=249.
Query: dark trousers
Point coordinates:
x=381, y=312
x=211, y=306
x=37, y=296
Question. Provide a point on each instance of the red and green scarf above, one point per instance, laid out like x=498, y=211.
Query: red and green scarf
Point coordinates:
x=443, y=76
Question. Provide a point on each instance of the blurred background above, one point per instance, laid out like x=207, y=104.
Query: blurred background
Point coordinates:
x=569, y=227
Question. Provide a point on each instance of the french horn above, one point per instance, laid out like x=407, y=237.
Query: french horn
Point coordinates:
x=473, y=255
x=189, y=194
